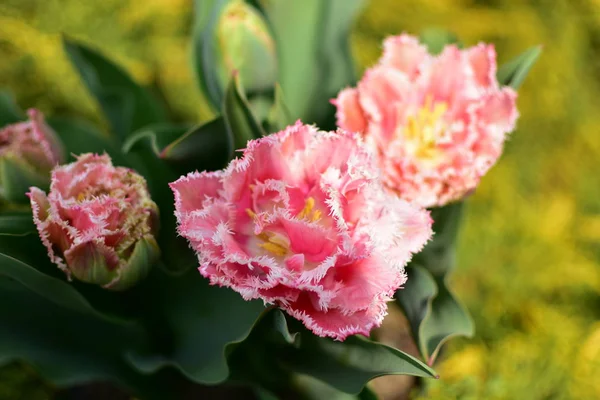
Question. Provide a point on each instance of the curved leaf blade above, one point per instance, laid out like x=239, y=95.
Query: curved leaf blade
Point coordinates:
x=349, y=365
x=514, y=72
x=241, y=123
x=204, y=147
x=9, y=110
x=204, y=321
x=415, y=300
x=280, y=115
x=448, y=318
x=126, y=105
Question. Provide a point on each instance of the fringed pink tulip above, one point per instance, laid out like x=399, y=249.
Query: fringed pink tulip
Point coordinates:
x=28, y=152
x=302, y=221
x=98, y=222
x=436, y=123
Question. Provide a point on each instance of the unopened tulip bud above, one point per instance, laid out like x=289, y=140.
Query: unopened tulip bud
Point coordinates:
x=244, y=44
x=28, y=152
x=98, y=222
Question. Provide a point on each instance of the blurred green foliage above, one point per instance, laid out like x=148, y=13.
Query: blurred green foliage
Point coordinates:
x=530, y=248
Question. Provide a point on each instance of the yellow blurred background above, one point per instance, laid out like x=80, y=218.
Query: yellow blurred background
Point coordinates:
x=529, y=259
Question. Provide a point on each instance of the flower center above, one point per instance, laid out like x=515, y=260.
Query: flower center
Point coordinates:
x=425, y=128
x=278, y=243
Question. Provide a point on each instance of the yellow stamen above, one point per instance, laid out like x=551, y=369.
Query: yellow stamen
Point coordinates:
x=424, y=128
x=316, y=216
x=80, y=197
x=250, y=213
x=308, y=207
x=274, y=243
x=274, y=248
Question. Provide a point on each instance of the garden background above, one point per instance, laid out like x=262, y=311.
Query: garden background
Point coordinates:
x=529, y=258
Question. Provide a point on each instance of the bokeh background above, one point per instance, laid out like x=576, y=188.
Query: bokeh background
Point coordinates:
x=529, y=259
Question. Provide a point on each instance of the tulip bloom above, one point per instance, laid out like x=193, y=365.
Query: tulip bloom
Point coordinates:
x=98, y=222
x=28, y=151
x=302, y=221
x=436, y=123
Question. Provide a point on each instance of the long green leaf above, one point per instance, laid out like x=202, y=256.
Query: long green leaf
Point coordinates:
x=312, y=41
x=204, y=147
x=349, y=365
x=241, y=123
x=514, y=72
x=438, y=256
x=280, y=115
x=127, y=106
x=9, y=111
x=67, y=346
x=448, y=318
x=415, y=300
x=203, y=321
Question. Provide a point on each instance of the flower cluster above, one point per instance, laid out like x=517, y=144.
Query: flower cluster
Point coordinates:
x=319, y=223
x=302, y=220
x=98, y=222
x=435, y=123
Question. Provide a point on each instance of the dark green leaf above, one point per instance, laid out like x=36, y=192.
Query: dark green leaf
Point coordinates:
x=54, y=290
x=127, y=106
x=415, y=300
x=79, y=136
x=156, y=136
x=17, y=176
x=205, y=147
x=203, y=321
x=310, y=388
x=16, y=225
x=349, y=365
x=514, y=72
x=438, y=255
x=448, y=318
x=9, y=111
x=67, y=346
x=240, y=121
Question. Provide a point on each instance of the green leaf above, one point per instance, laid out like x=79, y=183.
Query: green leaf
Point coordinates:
x=156, y=136
x=436, y=39
x=415, y=300
x=448, y=318
x=239, y=120
x=67, y=346
x=127, y=106
x=202, y=321
x=280, y=116
x=9, y=110
x=17, y=176
x=312, y=41
x=349, y=365
x=54, y=290
x=438, y=256
x=79, y=136
x=16, y=225
x=204, y=147
x=514, y=72
x=206, y=15
x=310, y=388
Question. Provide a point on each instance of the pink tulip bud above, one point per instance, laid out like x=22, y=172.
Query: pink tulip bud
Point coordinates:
x=28, y=152
x=436, y=123
x=303, y=221
x=98, y=222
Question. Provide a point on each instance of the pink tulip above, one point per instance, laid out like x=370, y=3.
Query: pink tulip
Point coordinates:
x=436, y=123
x=28, y=151
x=97, y=222
x=302, y=221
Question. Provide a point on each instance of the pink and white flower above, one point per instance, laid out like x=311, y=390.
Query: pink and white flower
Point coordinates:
x=436, y=123
x=303, y=221
x=98, y=222
x=28, y=151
